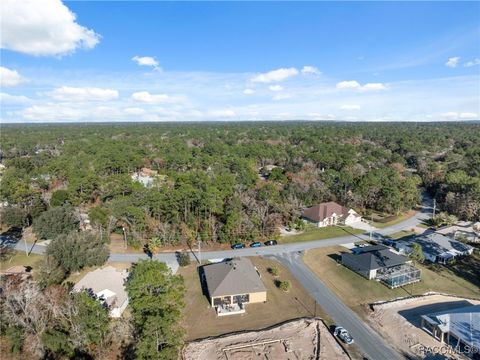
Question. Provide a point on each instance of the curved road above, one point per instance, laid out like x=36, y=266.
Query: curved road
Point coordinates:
x=374, y=347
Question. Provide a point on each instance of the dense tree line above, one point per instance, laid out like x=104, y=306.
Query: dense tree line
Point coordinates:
x=234, y=182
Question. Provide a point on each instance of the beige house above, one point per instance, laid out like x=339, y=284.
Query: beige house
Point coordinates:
x=232, y=284
x=330, y=213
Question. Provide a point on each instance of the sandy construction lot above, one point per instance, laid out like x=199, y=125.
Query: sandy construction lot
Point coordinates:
x=297, y=339
x=399, y=323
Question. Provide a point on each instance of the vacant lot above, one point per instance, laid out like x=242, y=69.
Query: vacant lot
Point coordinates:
x=399, y=321
x=356, y=291
x=201, y=320
x=298, y=339
x=315, y=233
x=19, y=258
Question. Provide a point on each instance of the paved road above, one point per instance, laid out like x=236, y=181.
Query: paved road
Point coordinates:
x=420, y=216
x=374, y=347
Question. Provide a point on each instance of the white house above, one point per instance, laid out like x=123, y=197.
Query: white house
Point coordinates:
x=330, y=213
x=108, y=285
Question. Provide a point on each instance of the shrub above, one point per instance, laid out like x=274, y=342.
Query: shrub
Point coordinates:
x=59, y=198
x=183, y=258
x=285, y=285
x=274, y=270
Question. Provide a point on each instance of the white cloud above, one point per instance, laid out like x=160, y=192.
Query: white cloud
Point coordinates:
x=348, y=85
x=67, y=93
x=43, y=28
x=275, y=88
x=473, y=62
x=146, y=97
x=453, y=115
x=134, y=111
x=146, y=61
x=249, y=91
x=310, y=70
x=275, y=75
x=282, y=97
x=9, y=77
x=350, y=107
x=13, y=99
x=452, y=62
x=51, y=112
x=355, y=85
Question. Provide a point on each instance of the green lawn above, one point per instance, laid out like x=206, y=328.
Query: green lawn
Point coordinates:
x=356, y=291
x=315, y=233
x=19, y=258
x=401, y=234
x=392, y=220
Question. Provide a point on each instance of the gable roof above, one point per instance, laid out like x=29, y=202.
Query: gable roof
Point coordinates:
x=232, y=277
x=462, y=322
x=324, y=210
x=375, y=258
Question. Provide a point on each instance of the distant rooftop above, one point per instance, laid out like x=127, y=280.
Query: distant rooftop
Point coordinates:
x=324, y=210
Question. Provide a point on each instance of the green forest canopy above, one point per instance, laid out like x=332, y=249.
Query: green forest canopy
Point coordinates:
x=229, y=182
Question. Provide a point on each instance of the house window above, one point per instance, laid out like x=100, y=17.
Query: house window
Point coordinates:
x=219, y=301
x=241, y=299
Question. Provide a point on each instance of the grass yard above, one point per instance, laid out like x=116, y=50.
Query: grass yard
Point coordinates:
x=356, y=291
x=201, y=321
x=19, y=258
x=383, y=222
x=401, y=234
x=314, y=233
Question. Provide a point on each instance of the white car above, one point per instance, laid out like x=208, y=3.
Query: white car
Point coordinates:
x=343, y=334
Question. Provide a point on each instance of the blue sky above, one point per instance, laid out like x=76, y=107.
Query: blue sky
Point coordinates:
x=174, y=61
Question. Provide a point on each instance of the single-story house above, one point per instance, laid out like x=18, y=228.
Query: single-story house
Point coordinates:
x=232, y=284
x=108, y=285
x=382, y=264
x=330, y=213
x=459, y=328
x=436, y=247
x=466, y=229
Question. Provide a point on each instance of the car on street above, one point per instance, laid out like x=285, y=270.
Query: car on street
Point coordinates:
x=271, y=242
x=255, y=244
x=238, y=246
x=343, y=334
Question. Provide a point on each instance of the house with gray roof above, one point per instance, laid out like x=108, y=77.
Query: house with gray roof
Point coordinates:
x=232, y=284
x=380, y=263
x=436, y=247
x=459, y=328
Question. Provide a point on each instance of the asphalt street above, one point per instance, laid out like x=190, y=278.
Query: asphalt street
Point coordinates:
x=373, y=346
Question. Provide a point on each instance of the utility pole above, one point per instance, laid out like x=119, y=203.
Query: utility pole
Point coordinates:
x=124, y=236
x=199, y=250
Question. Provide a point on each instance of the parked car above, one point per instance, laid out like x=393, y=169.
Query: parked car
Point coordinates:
x=255, y=244
x=238, y=246
x=271, y=242
x=343, y=334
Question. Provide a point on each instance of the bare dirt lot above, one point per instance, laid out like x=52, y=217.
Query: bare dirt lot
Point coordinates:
x=297, y=339
x=399, y=322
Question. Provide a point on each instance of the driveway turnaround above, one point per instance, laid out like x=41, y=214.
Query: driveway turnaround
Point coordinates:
x=374, y=347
